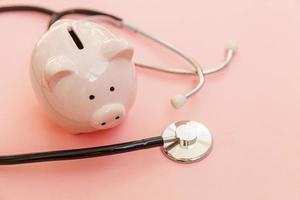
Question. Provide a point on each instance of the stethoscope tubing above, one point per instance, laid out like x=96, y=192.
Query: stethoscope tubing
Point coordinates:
x=82, y=153
x=54, y=14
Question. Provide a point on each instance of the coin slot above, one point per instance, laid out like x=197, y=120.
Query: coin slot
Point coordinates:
x=75, y=38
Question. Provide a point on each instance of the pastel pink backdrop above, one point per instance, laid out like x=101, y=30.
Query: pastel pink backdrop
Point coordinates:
x=252, y=108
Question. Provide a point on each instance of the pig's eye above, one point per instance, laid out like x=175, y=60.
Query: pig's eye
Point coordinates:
x=112, y=88
x=92, y=97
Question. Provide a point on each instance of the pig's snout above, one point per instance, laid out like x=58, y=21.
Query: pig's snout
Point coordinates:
x=108, y=116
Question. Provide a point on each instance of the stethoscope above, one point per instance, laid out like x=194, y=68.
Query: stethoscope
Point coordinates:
x=182, y=141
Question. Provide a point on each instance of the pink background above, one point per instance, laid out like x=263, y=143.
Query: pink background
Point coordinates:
x=252, y=108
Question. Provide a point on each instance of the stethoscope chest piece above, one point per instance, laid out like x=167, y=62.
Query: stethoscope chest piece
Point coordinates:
x=187, y=141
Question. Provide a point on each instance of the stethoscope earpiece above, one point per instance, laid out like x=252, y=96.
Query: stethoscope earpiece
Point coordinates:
x=232, y=45
x=178, y=101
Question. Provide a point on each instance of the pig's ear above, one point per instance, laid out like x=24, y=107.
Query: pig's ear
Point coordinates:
x=56, y=69
x=117, y=48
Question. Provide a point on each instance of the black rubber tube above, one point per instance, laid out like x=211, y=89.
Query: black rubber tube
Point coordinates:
x=59, y=15
x=27, y=8
x=56, y=15
x=82, y=153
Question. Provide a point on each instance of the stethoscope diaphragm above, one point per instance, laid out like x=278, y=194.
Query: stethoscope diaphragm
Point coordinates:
x=187, y=141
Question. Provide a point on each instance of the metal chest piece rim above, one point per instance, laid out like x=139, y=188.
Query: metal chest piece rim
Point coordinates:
x=187, y=141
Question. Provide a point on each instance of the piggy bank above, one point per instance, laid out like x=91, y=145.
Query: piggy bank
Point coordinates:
x=83, y=76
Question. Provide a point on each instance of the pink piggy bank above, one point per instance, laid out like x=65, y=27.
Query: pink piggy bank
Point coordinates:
x=84, y=76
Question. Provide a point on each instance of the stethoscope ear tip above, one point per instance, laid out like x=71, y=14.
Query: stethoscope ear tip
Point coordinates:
x=178, y=101
x=232, y=45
